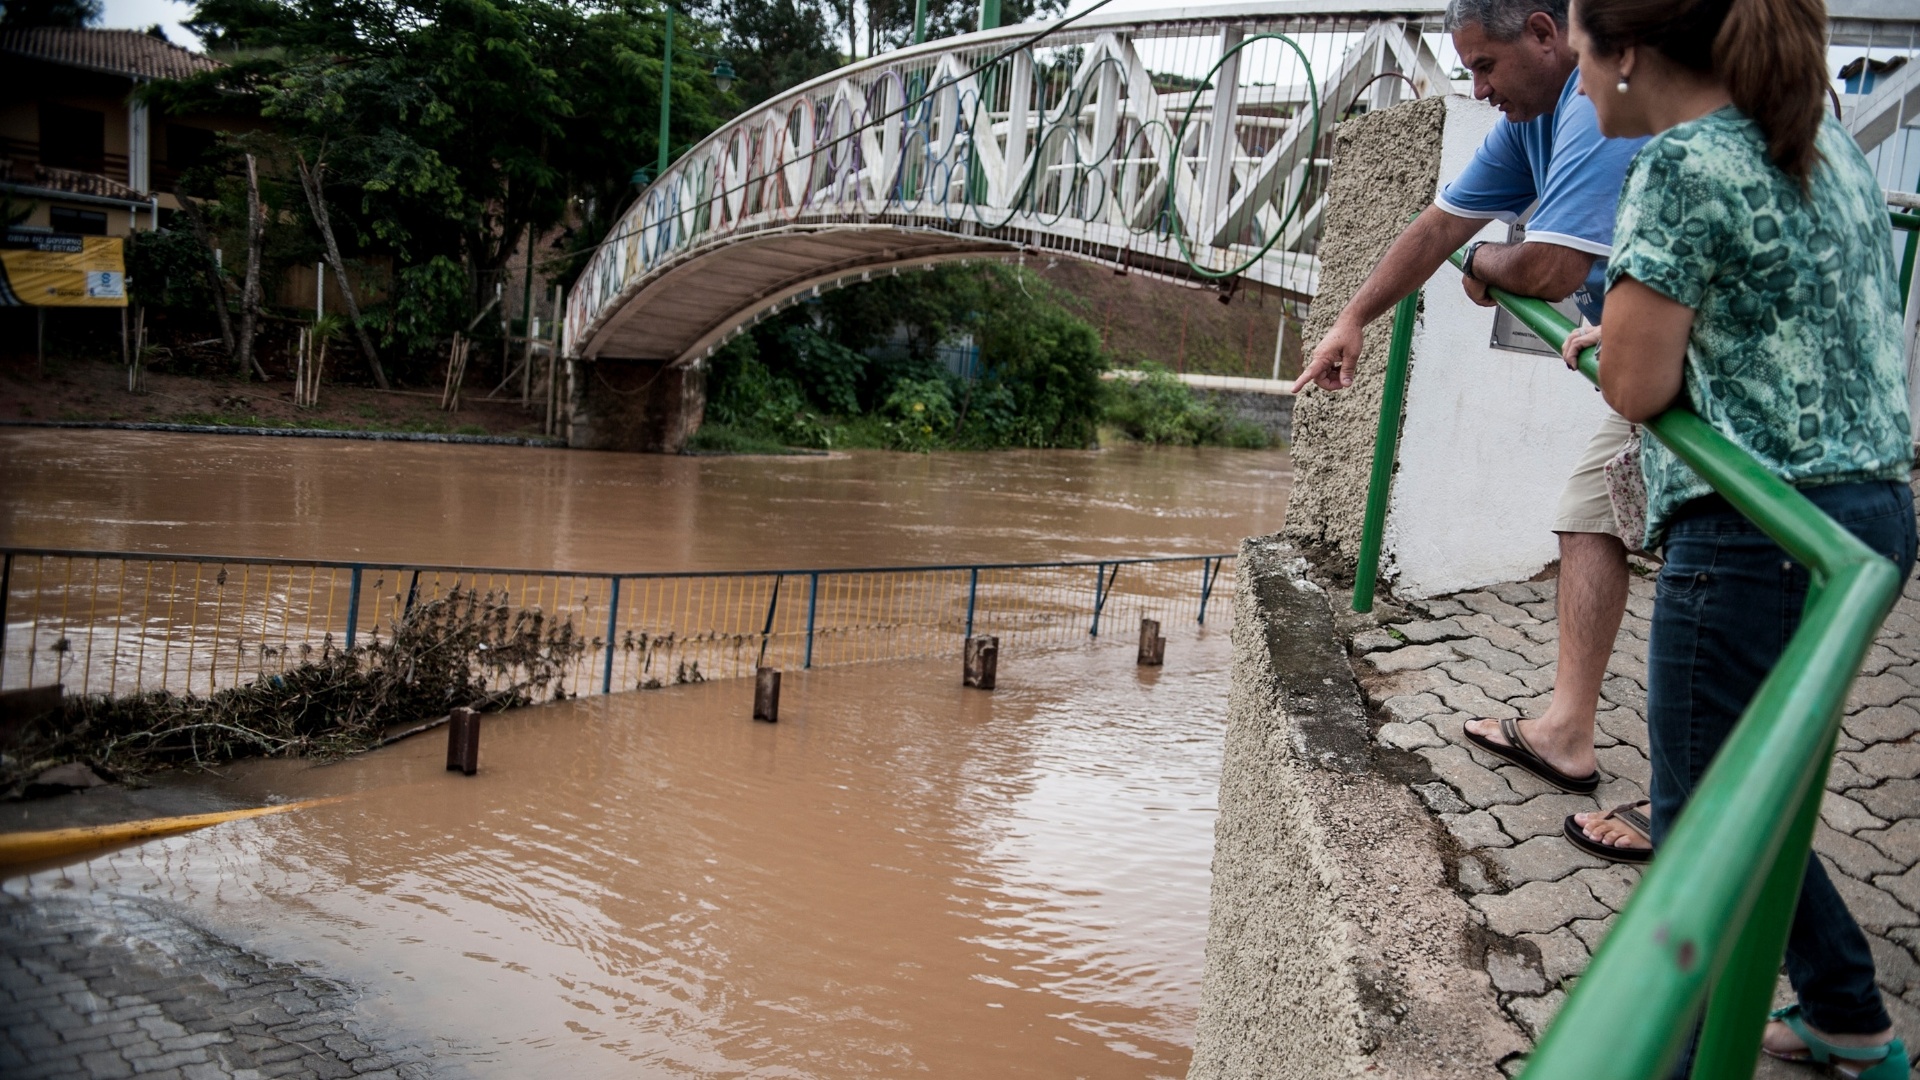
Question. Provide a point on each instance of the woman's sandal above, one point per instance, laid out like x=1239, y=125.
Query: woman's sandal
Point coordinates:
x=1888, y=1061
x=1516, y=751
x=1627, y=814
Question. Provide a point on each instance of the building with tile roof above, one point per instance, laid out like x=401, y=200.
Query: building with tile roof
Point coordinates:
x=78, y=153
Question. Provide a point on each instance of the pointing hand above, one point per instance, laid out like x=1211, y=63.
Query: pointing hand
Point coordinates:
x=1333, y=360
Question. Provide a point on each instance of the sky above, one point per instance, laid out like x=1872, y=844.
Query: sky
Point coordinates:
x=140, y=14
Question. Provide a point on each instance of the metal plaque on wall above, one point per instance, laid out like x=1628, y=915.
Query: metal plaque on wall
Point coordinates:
x=1511, y=333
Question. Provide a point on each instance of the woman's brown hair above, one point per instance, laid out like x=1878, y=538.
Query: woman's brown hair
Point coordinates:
x=1770, y=54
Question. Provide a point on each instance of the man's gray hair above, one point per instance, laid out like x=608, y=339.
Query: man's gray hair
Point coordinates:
x=1502, y=20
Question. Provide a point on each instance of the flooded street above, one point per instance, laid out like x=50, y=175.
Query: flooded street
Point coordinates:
x=900, y=878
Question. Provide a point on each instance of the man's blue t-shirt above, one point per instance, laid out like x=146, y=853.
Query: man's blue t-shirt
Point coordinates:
x=1563, y=162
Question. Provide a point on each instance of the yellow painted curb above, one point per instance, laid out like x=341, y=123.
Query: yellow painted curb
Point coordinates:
x=23, y=847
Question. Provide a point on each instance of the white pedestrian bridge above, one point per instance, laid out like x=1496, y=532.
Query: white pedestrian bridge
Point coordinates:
x=1191, y=144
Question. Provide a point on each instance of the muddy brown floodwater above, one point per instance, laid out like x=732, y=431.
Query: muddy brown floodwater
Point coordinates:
x=900, y=878
x=576, y=510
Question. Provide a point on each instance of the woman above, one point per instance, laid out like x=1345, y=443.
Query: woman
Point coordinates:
x=1751, y=281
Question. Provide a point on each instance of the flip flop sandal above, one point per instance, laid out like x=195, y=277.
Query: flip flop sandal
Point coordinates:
x=1627, y=814
x=1887, y=1061
x=1516, y=751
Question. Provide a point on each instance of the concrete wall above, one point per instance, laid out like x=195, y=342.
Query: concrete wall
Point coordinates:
x=1489, y=435
x=1335, y=947
x=1385, y=165
x=1271, y=413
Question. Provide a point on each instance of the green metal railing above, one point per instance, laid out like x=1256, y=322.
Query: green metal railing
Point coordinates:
x=1707, y=926
x=1393, y=396
x=1909, y=224
x=1708, y=923
x=1386, y=450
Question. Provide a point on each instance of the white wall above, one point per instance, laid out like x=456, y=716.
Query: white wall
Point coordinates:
x=1490, y=434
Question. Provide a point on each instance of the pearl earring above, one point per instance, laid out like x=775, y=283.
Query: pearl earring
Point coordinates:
x=1621, y=86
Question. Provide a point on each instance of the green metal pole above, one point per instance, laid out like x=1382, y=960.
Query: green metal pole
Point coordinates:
x=989, y=14
x=1911, y=223
x=919, y=21
x=1737, y=1004
x=1386, y=445
x=666, y=96
x=526, y=326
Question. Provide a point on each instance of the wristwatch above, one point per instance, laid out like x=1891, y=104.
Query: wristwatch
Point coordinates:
x=1466, y=265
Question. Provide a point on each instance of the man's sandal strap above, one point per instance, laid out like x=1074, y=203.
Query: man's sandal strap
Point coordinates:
x=1510, y=728
x=1629, y=814
x=1515, y=750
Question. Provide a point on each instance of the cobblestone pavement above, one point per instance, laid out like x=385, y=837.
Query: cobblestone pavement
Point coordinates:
x=106, y=986
x=1492, y=653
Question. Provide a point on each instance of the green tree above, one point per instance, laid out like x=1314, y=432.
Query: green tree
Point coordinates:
x=775, y=45
x=451, y=128
x=859, y=367
x=50, y=12
x=890, y=22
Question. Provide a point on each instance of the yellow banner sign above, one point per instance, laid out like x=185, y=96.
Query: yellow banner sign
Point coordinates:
x=62, y=270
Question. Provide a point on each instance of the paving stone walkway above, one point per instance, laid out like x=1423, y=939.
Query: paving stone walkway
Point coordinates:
x=1491, y=653
x=107, y=986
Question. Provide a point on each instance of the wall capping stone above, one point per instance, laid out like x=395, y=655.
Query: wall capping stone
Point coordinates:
x=1336, y=946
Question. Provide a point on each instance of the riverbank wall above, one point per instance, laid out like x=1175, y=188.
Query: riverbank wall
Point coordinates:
x=1490, y=430
x=1337, y=945
x=1265, y=403
x=1271, y=413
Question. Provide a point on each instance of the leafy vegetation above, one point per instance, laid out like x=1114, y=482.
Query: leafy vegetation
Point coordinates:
x=877, y=366
x=444, y=134
x=863, y=367
x=1160, y=409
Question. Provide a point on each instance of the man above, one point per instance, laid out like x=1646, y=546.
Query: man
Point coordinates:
x=1548, y=154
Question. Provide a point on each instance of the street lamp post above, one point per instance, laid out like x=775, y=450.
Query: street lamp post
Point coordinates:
x=723, y=77
x=666, y=94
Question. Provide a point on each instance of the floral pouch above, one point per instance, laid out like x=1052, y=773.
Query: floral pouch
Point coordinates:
x=1627, y=491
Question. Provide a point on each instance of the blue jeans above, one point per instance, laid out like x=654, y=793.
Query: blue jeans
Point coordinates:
x=1728, y=600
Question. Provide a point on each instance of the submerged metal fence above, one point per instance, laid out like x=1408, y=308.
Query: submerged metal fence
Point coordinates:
x=117, y=623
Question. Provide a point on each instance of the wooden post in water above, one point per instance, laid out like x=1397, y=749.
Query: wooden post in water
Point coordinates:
x=1153, y=647
x=463, y=741
x=766, y=694
x=982, y=666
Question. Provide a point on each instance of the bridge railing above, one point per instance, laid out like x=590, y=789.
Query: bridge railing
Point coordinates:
x=118, y=623
x=1707, y=926
x=1190, y=145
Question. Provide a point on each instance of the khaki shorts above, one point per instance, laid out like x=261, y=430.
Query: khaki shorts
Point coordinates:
x=1584, y=505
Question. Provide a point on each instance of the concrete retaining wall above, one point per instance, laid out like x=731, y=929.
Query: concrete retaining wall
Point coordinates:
x=1336, y=947
x=1385, y=167
x=1271, y=413
x=1489, y=435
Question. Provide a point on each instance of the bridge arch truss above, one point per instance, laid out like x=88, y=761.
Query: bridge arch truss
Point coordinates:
x=1188, y=146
